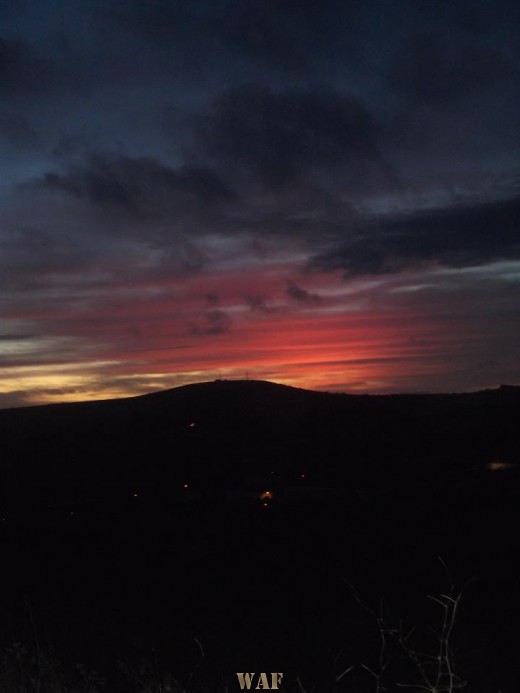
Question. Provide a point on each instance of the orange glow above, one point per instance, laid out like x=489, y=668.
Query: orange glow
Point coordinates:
x=499, y=466
x=355, y=338
x=266, y=495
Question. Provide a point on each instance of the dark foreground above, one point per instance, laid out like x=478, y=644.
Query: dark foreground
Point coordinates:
x=134, y=542
x=154, y=584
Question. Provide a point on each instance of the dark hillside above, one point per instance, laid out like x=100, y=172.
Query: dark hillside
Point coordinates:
x=227, y=432
x=116, y=558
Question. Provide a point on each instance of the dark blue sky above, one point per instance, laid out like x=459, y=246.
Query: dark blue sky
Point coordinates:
x=324, y=194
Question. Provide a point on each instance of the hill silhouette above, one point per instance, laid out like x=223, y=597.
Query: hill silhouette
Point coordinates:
x=226, y=433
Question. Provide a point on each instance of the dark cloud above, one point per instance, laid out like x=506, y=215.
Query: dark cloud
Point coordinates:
x=282, y=136
x=455, y=237
x=30, y=255
x=260, y=304
x=300, y=295
x=17, y=337
x=141, y=187
x=214, y=322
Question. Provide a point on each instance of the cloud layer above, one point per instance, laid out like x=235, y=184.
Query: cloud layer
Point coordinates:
x=325, y=195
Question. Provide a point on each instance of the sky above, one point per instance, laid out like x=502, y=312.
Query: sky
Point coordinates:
x=324, y=195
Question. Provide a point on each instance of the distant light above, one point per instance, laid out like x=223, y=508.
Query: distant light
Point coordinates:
x=266, y=495
x=185, y=486
x=266, y=505
x=499, y=466
x=302, y=476
x=192, y=424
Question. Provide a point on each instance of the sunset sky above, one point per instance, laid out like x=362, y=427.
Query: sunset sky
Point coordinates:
x=323, y=194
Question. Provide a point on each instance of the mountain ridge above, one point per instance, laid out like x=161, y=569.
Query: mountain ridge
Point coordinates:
x=224, y=426
x=256, y=384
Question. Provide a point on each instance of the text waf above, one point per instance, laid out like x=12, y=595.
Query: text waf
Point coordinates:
x=261, y=681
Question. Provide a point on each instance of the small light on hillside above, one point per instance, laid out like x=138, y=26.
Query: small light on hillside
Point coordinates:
x=185, y=486
x=266, y=495
x=498, y=466
x=135, y=495
x=192, y=424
